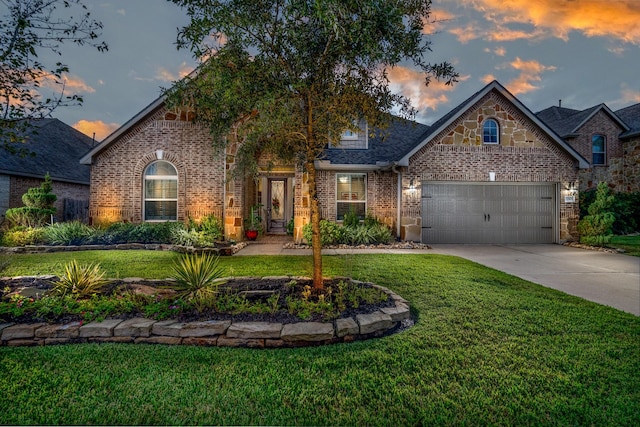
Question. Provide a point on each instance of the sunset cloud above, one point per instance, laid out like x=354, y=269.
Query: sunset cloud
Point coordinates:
x=165, y=75
x=629, y=95
x=552, y=18
x=530, y=72
x=100, y=128
x=410, y=83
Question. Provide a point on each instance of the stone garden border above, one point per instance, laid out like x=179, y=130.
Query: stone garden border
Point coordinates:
x=220, y=333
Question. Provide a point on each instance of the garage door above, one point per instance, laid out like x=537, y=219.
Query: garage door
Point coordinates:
x=488, y=213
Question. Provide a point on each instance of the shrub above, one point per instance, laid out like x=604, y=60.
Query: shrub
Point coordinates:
x=351, y=218
x=211, y=226
x=626, y=209
x=191, y=237
x=68, y=233
x=197, y=279
x=22, y=236
x=330, y=233
x=595, y=228
x=380, y=234
x=80, y=281
x=38, y=206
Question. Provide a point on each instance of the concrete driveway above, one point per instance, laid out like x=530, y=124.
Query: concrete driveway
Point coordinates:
x=605, y=278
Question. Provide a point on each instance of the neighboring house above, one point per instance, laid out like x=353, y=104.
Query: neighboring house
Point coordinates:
x=490, y=171
x=56, y=149
x=608, y=140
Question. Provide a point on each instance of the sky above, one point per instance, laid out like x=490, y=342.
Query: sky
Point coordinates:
x=583, y=52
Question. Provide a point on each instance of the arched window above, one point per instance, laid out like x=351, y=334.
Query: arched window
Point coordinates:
x=160, y=192
x=490, y=132
x=598, y=153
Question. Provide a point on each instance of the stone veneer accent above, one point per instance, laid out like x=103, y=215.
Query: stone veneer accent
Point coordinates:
x=457, y=154
x=220, y=333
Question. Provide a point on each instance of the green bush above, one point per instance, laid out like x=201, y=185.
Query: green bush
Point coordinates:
x=211, y=226
x=80, y=281
x=351, y=219
x=197, y=279
x=191, y=237
x=38, y=206
x=330, y=233
x=68, y=233
x=625, y=207
x=23, y=236
x=596, y=227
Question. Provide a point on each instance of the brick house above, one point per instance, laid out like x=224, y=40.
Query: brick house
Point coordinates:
x=490, y=171
x=608, y=140
x=57, y=149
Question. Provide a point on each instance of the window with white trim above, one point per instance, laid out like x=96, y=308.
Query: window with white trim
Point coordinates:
x=598, y=150
x=160, y=192
x=490, y=132
x=351, y=194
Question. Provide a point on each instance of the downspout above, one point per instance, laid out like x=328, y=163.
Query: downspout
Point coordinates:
x=394, y=168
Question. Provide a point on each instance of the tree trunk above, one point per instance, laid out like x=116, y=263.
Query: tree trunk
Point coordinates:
x=316, y=241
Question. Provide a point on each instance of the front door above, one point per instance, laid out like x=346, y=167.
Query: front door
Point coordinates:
x=276, y=206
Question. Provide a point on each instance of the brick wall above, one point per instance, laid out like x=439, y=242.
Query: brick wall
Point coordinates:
x=117, y=172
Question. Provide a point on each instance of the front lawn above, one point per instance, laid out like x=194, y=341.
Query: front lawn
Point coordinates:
x=630, y=244
x=488, y=348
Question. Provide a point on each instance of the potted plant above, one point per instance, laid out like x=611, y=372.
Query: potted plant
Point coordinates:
x=253, y=224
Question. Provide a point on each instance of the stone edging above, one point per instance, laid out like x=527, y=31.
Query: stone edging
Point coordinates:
x=221, y=333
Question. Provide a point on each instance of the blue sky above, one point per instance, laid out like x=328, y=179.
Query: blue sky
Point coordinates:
x=585, y=52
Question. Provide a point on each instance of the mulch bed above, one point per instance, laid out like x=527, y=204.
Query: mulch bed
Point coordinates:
x=255, y=289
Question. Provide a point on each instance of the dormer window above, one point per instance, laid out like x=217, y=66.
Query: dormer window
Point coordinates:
x=354, y=140
x=349, y=135
x=490, y=132
x=598, y=154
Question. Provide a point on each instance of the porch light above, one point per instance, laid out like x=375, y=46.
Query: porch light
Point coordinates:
x=412, y=185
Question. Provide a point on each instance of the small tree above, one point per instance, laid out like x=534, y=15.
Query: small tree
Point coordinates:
x=38, y=206
x=595, y=228
x=289, y=77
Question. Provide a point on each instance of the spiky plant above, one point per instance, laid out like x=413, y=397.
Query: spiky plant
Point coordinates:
x=80, y=281
x=197, y=279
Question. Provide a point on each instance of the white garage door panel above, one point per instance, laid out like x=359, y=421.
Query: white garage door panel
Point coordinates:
x=488, y=213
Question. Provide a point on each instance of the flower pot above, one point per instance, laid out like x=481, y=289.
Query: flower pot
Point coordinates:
x=251, y=234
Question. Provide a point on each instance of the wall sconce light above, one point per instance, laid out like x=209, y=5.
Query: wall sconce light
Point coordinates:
x=412, y=185
x=492, y=176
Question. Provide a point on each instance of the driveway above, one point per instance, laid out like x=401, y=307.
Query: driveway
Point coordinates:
x=605, y=278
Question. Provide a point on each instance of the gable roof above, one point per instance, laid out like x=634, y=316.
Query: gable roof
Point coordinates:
x=566, y=122
x=57, y=148
x=87, y=159
x=454, y=114
x=631, y=116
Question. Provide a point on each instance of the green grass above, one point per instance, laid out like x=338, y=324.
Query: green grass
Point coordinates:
x=488, y=348
x=630, y=244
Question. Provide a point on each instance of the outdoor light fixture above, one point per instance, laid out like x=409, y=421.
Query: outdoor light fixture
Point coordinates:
x=412, y=185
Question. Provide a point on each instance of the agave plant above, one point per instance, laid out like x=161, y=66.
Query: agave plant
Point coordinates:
x=80, y=281
x=197, y=279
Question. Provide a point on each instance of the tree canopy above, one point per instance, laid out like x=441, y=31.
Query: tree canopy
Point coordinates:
x=290, y=76
x=28, y=27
